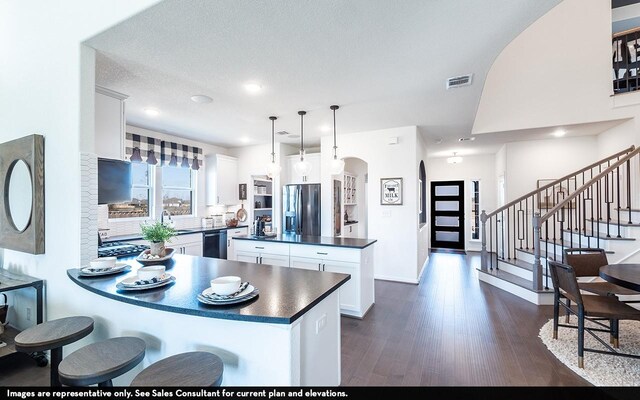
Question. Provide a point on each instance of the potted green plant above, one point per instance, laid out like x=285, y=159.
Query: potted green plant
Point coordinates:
x=157, y=234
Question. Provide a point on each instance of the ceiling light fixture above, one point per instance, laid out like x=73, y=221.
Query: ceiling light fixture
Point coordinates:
x=466, y=139
x=559, y=133
x=455, y=159
x=302, y=167
x=337, y=164
x=152, y=112
x=252, y=87
x=273, y=169
x=201, y=99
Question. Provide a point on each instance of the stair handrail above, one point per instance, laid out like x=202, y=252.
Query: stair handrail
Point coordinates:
x=588, y=184
x=557, y=181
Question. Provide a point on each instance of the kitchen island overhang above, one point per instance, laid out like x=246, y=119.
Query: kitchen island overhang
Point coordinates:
x=288, y=335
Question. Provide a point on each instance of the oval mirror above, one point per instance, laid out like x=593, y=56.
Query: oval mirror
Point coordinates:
x=19, y=195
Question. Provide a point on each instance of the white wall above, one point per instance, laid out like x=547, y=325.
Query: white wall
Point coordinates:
x=424, y=231
x=393, y=226
x=545, y=159
x=556, y=72
x=479, y=167
x=45, y=91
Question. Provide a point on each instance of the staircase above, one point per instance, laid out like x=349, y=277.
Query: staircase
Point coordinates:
x=592, y=207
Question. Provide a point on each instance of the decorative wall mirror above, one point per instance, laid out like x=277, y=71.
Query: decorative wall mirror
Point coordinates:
x=22, y=202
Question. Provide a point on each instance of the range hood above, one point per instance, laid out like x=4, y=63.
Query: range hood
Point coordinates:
x=114, y=181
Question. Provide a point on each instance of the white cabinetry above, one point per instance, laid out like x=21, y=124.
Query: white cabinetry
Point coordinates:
x=231, y=233
x=350, y=231
x=187, y=244
x=276, y=254
x=109, y=123
x=222, y=180
x=314, y=174
x=356, y=295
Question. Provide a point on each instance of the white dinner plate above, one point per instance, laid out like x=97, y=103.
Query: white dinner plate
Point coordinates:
x=208, y=301
x=130, y=281
x=119, y=267
x=247, y=291
x=120, y=286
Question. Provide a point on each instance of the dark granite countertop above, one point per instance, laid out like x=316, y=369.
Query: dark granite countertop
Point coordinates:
x=187, y=231
x=350, y=223
x=285, y=293
x=314, y=240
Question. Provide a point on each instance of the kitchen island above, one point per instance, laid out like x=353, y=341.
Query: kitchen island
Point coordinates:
x=319, y=253
x=288, y=335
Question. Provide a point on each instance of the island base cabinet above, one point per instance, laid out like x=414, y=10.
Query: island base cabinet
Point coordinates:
x=276, y=260
x=312, y=264
x=349, y=292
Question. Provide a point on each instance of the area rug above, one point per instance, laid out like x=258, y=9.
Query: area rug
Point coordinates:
x=599, y=369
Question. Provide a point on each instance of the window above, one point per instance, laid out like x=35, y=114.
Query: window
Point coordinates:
x=475, y=210
x=141, y=194
x=178, y=190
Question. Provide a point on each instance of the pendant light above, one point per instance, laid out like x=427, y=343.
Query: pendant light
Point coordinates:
x=302, y=167
x=273, y=169
x=135, y=155
x=455, y=159
x=337, y=164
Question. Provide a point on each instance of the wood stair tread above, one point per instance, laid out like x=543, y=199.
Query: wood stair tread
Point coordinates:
x=623, y=223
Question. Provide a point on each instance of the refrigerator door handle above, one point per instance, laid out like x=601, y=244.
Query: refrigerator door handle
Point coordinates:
x=299, y=212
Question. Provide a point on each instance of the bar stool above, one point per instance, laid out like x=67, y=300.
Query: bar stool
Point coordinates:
x=101, y=362
x=196, y=368
x=53, y=335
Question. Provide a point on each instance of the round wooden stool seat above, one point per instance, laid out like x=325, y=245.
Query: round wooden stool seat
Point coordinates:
x=52, y=335
x=197, y=368
x=100, y=362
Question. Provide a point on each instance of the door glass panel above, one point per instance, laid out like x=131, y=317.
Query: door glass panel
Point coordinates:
x=446, y=236
x=447, y=190
x=447, y=221
x=447, y=206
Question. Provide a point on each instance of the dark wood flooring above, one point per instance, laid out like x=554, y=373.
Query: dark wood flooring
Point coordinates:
x=449, y=330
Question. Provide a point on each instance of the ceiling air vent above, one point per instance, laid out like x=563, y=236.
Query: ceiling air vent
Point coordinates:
x=457, y=81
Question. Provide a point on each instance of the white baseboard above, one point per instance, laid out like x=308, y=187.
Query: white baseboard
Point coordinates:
x=396, y=279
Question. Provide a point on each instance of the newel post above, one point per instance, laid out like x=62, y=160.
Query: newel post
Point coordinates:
x=483, y=235
x=537, y=266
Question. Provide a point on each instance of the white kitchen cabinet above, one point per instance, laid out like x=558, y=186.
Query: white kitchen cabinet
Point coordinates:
x=314, y=174
x=312, y=264
x=276, y=254
x=231, y=233
x=350, y=291
x=187, y=244
x=221, y=180
x=109, y=123
x=350, y=231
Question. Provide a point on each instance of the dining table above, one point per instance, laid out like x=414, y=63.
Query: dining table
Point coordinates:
x=625, y=275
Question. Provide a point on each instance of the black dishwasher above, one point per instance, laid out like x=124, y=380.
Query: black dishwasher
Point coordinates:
x=215, y=244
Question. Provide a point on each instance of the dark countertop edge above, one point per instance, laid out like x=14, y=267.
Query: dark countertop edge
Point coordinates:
x=274, y=240
x=201, y=313
x=189, y=231
x=350, y=223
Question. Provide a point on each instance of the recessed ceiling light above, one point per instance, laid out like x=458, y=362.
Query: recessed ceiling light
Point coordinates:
x=152, y=112
x=201, y=98
x=559, y=133
x=253, y=87
x=325, y=128
x=245, y=139
x=466, y=139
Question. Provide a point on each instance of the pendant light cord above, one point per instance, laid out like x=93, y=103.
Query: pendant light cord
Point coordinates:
x=335, y=146
x=273, y=140
x=302, y=113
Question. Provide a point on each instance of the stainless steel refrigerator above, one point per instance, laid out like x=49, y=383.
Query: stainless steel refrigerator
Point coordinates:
x=301, y=209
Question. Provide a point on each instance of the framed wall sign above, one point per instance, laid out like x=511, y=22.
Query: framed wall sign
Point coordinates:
x=242, y=191
x=391, y=191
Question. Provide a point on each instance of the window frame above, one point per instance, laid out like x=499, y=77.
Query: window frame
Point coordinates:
x=471, y=203
x=193, y=174
x=150, y=186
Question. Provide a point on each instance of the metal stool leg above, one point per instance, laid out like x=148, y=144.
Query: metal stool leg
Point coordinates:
x=56, y=357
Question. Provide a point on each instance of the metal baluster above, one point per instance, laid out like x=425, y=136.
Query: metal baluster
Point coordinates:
x=526, y=223
x=546, y=252
x=578, y=200
x=618, y=196
x=491, y=246
x=598, y=212
x=521, y=226
x=497, y=243
x=629, y=188
x=502, y=231
x=537, y=267
x=509, y=231
x=608, y=200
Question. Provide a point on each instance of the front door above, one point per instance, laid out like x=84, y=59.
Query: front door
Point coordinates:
x=447, y=215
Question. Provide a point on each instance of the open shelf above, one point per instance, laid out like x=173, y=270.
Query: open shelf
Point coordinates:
x=263, y=195
x=262, y=209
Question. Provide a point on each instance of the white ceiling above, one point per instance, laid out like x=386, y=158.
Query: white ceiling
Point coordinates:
x=384, y=62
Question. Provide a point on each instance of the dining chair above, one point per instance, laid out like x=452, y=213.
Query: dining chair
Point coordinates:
x=594, y=309
x=586, y=262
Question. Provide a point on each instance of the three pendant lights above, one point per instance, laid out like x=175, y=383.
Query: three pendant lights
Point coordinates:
x=303, y=167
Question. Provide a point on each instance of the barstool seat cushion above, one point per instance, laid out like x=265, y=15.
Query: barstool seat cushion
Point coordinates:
x=197, y=368
x=53, y=334
x=102, y=361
